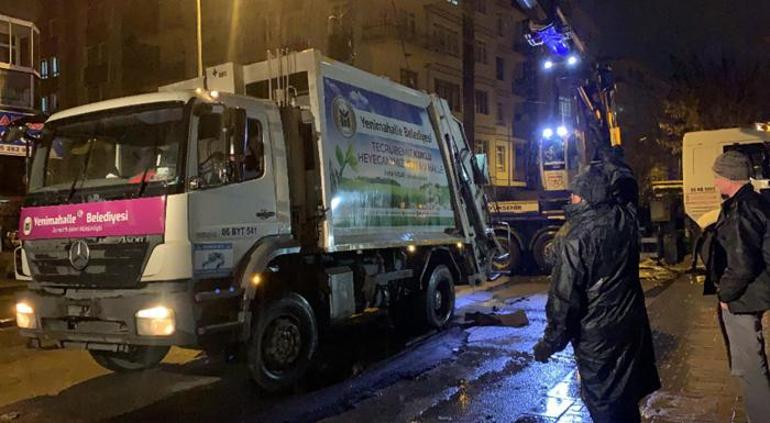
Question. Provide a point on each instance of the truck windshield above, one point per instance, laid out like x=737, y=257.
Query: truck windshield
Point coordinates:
x=116, y=147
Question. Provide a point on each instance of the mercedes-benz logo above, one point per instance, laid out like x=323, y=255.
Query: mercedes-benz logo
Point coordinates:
x=79, y=255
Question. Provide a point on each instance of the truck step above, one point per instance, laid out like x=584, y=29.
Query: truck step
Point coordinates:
x=219, y=327
x=218, y=294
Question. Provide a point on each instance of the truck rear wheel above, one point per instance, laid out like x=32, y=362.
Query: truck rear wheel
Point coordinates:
x=539, y=251
x=437, y=301
x=139, y=358
x=283, y=341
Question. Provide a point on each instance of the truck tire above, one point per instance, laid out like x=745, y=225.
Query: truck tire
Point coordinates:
x=437, y=300
x=513, y=261
x=140, y=358
x=539, y=248
x=283, y=341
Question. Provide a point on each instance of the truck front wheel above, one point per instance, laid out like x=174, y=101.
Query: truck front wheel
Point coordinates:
x=283, y=341
x=139, y=358
x=438, y=299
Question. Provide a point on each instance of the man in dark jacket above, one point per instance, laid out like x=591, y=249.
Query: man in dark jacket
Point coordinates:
x=740, y=265
x=596, y=302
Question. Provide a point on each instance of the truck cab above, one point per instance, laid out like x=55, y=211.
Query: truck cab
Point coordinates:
x=699, y=150
x=130, y=200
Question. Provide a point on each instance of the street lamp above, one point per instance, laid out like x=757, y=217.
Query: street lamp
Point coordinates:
x=548, y=64
x=572, y=60
x=547, y=133
x=562, y=131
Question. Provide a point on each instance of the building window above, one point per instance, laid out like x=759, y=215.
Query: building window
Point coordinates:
x=54, y=102
x=481, y=147
x=44, y=104
x=407, y=23
x=500, y=114
x=500, y=64
x=481, y=6
x=449, y=92
x=482, y=102
x=5, y=42
x=55, y=67
x=409, y=78
x=500, y=26
x=481, y=52
x=44, y=69
x=501, y=162
x=446, y=41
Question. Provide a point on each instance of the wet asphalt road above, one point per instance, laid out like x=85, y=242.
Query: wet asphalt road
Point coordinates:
x=364, y=372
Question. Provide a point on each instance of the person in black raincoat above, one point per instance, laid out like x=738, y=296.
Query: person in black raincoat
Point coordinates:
x=596, y=302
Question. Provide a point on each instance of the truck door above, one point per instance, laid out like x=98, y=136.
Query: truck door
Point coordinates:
x=232, y=200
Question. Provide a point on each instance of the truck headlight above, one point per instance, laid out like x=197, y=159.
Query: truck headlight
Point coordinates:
x=25, y=316
x=155, y=321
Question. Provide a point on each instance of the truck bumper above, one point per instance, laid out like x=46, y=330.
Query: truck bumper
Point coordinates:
x=94, y=319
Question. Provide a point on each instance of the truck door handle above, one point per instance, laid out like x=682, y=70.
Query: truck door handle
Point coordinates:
x=265, y=214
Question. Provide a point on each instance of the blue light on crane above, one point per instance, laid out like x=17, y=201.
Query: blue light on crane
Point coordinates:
x=556, y=41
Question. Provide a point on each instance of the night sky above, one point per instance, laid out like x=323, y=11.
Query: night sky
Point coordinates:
x=653, y=30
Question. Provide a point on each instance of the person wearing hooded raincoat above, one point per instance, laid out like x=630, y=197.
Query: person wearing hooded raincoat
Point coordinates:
x=596, y=302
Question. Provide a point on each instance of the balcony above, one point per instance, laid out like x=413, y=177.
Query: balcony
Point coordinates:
x=19, y=45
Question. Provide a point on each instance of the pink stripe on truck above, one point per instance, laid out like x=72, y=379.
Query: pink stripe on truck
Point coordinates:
x=143, y=216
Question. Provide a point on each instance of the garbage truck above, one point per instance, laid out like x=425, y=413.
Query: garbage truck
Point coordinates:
x=309, y=193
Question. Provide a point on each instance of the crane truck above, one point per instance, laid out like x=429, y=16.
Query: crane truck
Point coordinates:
x=282, y=197
x=526, y=221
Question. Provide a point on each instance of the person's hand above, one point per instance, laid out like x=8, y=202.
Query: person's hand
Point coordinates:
x=542, y=351
x=724, y=306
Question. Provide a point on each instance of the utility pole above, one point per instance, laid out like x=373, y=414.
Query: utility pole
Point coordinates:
x=199, y=34
x=469, y=72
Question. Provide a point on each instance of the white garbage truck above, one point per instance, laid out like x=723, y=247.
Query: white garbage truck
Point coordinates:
x=310, y=193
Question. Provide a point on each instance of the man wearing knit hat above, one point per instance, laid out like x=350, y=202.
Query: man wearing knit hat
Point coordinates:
x=739, y=264
x=596, y=302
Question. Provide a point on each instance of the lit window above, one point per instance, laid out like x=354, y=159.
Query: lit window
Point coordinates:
x=44, y=104
x=44, y=69
x=500, y=161
x=54, y=66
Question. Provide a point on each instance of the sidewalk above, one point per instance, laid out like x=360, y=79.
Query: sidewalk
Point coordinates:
x=697, y=386
x=692, y=361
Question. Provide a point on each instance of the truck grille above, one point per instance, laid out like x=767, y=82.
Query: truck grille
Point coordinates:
x=114, y=262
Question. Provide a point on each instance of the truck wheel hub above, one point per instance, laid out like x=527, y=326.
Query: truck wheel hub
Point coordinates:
x=438, y=301
x=283, y=343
